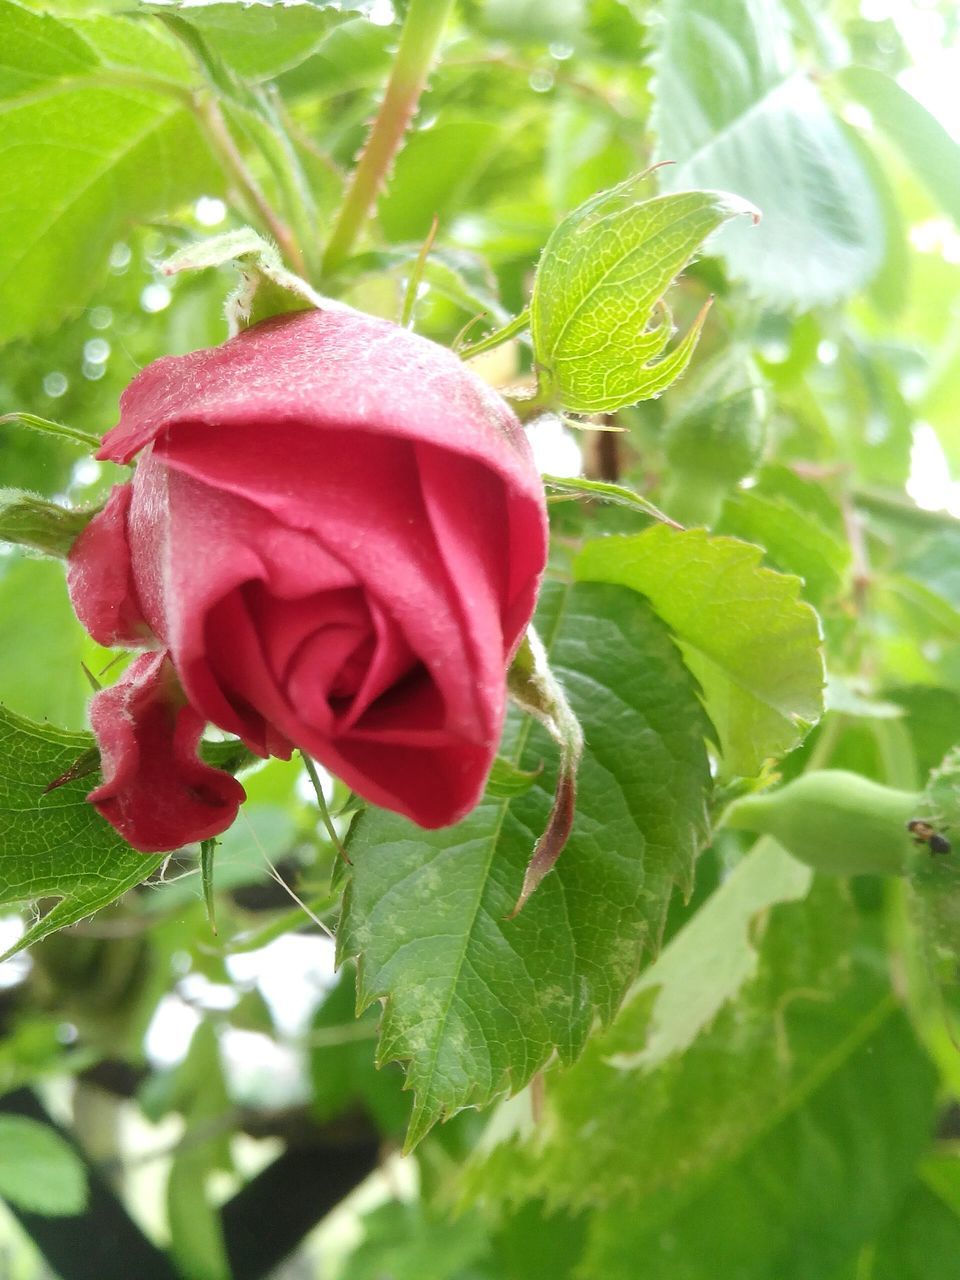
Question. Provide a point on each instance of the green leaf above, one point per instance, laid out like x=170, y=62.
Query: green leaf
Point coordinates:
x=812, y=1191
x=753, y=645
x=259, y=41
x=80, y=157
x=29, y=521
x=343, y=1071
x=786, y=1131
x=196, y=1232
x=434, y=171
x=734, y=112
x=407, y=1242
x=922, y=1242
x=55, y=844
x=795, y=541
x=926, y=146
x=711, y=958
x=43, y=645
x=37, y=48
x=39, y=1171
x=476, y=1003
x=506, y=780
x=602, y=275
x=532, y=22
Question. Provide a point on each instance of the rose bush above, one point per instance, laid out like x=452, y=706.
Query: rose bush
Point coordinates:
x=332, y=540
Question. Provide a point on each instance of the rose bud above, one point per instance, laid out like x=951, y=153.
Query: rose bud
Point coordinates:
x=334, y=536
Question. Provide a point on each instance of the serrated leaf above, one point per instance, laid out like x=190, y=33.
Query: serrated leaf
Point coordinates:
x=39, y=1172
x=786, y=1131
x=80, y=156
x=54, y=844
x=476, y=1003
x=795, y=541
x=753, y=645
x=597, y=338
x=734, y=112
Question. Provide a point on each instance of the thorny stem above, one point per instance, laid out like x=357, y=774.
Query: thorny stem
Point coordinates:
x=211, y=118
x=419, y=41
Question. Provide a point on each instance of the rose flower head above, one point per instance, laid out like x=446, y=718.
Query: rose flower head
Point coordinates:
x=332, y=540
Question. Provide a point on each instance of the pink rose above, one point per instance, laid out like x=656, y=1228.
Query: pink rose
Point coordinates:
x=332, y=540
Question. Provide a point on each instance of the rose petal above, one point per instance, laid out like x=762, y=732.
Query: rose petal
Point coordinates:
x=100, y=577
x=156, y=791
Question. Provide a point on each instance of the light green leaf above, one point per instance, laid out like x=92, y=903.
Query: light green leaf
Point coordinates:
x=260, y=41
x=475, y=1003
x=55, y=844
x=597, y=338
x=407, y=1242
x=506, y=780
x=734, y=112
x=39, y=1172
x=43, y=645
x=531, y=21
x=794, y=540
x=751, y=642
x=434, y=171
x=37, y=48
x=80, y=157
x=926, y=146
x=711, y=958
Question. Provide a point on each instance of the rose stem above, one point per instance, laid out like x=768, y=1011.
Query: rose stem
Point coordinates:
x=419, y=42
x=221, y=140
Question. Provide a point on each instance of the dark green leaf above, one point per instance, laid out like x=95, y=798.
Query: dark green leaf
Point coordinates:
x=475, y=1002
x=55, y=845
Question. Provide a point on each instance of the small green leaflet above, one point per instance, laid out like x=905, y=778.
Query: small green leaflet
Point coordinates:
x=39, y=1171
x=751, y=642
x=599, y=327
x=476, y=1003
x=54, y=844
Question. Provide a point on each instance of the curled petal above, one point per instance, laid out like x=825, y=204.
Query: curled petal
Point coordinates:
x=156, y=791
x=100, y=576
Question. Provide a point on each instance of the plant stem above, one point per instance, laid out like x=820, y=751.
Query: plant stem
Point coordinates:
x=218, y=133
x=515, y=326
x=419, y=41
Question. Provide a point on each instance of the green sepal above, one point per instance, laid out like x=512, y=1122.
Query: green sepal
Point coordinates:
x=30, y=521
x=266, y=287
